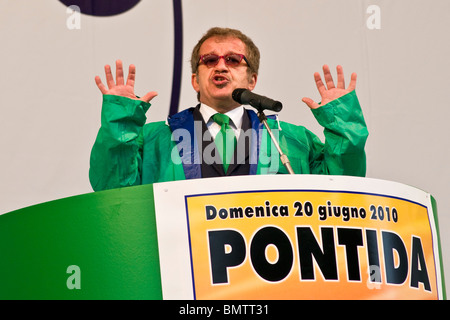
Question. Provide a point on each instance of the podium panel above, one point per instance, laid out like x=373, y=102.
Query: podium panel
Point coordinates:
x=95, y=246
x=250, y=237
x=297, y=237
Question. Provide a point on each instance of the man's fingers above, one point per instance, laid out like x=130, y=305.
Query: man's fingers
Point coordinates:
x=352, y=85
x=319, y=83
x=328, y=77
x=118, y=85
x=310, y=103
x=131, y=75
x=340, y=75
x=149, y=96
x=109, y=77
x=119, y=73
x=100, y=85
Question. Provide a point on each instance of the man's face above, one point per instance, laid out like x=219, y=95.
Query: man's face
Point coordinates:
x=216, y=84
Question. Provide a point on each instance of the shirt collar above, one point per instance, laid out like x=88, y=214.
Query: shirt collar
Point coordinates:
x=235, y=115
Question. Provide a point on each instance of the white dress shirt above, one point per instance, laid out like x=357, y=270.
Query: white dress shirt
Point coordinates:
x=235, y=116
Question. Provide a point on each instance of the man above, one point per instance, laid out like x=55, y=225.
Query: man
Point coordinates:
x=190, y=145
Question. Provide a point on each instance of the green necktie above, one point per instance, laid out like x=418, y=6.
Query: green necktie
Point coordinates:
x=225, y=139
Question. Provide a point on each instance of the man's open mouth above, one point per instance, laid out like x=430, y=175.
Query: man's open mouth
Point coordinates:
x=219, y=80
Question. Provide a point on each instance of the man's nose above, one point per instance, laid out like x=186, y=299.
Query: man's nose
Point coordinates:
x=221, y=65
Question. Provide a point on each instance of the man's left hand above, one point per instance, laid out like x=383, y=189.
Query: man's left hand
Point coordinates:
x=330, y=92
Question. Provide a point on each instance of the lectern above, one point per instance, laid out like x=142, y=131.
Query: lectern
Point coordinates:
x=251, y=237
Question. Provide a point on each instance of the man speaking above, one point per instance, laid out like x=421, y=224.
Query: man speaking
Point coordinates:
x=219, y=137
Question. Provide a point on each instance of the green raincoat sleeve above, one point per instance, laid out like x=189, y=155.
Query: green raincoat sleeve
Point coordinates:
x=345, y=137
x=116, y=157
x=129, y=152
x=345, y=134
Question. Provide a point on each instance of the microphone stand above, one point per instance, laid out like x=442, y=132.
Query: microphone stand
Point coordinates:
x=284, y=158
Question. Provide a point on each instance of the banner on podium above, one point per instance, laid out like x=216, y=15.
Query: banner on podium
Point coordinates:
x=297, y=237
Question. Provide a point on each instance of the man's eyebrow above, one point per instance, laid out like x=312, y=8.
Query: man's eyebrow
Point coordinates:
x=228, y=53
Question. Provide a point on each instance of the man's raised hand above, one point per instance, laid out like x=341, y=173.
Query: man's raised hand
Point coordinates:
x=330, y=92
x=119, y=87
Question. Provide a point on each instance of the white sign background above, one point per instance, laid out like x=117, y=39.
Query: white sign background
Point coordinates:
x=171, y=215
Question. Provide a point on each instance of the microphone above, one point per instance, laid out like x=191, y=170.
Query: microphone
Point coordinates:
x=244, y=96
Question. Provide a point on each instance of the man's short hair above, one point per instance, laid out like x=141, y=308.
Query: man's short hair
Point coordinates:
x=252, y=52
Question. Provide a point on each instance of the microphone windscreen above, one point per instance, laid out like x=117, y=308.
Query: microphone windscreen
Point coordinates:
x=237, y=94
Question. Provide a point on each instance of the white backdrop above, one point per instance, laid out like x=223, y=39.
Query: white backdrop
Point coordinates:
x=50, y=106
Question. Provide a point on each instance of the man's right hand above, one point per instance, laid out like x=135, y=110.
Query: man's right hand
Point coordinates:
x=119, y=88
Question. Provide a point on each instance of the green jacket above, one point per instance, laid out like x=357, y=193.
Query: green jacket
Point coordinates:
x=130, y=152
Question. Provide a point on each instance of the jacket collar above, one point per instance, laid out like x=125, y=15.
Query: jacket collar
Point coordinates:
x=182, y=124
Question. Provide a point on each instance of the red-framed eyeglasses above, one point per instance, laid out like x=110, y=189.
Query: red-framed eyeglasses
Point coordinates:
x=231, y=60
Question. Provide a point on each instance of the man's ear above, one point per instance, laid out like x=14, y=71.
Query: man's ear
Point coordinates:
x=252, y=81
x=194, y=82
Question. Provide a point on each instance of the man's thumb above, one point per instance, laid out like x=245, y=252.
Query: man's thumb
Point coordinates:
x=310, y=103
x=149, y=96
